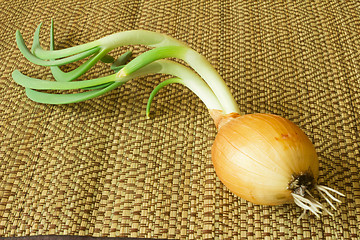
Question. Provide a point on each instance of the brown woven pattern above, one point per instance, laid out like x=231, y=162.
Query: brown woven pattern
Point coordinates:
x=100, y=168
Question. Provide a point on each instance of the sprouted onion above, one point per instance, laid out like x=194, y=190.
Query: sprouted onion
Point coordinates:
x=262, y=158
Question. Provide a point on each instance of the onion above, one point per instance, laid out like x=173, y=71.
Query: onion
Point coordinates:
x=262, y=158
x=267, y=160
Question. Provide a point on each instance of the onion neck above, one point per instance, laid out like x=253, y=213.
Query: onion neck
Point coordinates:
x=220, y=118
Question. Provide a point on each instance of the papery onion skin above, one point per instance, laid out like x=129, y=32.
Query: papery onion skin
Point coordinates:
x=257, y=156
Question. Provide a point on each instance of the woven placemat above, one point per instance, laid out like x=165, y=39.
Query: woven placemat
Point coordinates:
x=71, y=237
x=100, y=168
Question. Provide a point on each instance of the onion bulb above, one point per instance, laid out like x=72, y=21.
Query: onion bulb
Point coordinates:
x=267, y=160
x=262, y=158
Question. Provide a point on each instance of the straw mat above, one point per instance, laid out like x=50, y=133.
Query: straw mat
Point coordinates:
x=99, y=168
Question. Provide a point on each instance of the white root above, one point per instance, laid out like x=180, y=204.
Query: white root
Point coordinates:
x=327, y=199
x=309, y=203
x=326, y=190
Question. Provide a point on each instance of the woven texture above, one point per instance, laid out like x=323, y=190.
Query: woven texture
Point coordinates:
x=100, y=168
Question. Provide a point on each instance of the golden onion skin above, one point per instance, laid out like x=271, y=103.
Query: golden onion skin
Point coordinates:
x=257, y=156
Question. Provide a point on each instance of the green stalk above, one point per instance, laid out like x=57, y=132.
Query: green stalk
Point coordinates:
x=203, y=92
x=189, y=79
x=40, y=84
x=165, y=47
x=196, y=61
x=157, y=89
x=58, y=74
x=134, y=37
x=51, y=98
x=58, y=62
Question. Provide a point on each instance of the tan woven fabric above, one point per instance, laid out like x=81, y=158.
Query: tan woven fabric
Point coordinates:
x=100, y=168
